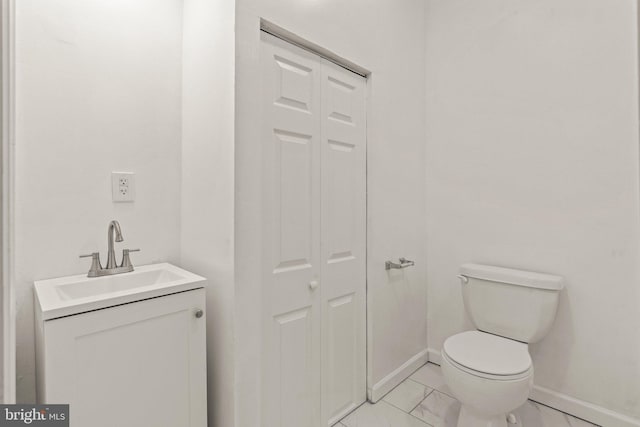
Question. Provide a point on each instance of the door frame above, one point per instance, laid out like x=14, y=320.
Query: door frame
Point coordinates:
x=7, y=107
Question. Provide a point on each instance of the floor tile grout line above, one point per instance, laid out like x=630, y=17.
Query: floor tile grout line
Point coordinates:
x=382, y=399
x=391, y=404
x=421, y=420
x=426, y=385
x=445, y=393
x=397, y=407
x=414, y=407
x=433, y=388
x=353, y=411
x=405, y=412
x=425, y=398
x=566, y=413
x=402, y=382
x=417, y=382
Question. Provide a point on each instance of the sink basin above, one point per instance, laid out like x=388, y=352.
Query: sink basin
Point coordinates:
x=70, y=295
x=110, y=284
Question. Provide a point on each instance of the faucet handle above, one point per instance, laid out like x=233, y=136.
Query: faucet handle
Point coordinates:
x=92, y=254
x=95, y=263
x=126, y=261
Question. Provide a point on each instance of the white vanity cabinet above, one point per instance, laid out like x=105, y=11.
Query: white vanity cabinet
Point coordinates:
x=141, y=363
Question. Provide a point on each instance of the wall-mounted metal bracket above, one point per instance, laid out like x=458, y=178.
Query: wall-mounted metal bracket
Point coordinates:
x=404, y=263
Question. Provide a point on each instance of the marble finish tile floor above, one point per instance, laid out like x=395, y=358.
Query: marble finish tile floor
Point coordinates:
x=424, y=400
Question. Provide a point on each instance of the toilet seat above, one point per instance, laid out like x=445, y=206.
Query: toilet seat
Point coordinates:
x=488, y=356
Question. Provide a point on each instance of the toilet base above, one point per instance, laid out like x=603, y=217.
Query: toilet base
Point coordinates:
x=470, y=419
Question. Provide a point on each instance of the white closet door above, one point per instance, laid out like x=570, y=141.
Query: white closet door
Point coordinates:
x=291, y=235
x=313, y=238
x=343, y=242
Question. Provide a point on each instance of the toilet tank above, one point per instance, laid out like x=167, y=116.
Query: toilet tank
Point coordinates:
x=515, y=304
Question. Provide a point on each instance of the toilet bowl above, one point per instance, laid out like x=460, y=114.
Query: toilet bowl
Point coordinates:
x=490, y=376
x=489, y=370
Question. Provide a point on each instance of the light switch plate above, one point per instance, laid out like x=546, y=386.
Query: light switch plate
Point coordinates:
x=123, y=186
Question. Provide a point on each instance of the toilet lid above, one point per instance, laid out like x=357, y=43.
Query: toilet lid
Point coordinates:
x=487, y=353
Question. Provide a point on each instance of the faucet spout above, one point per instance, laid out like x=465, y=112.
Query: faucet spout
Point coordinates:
x=112, y=267
x=111, y=256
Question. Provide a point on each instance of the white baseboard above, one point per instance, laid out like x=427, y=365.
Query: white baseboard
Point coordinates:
x=581, y=409
x=434, y=356
x=562, y=402
x=386, y=384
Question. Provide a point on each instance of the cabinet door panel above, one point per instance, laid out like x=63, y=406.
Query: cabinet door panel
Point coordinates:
x=136, y=364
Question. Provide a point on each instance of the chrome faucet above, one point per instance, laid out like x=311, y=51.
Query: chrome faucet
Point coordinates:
x=112, y=267
x=111, y=255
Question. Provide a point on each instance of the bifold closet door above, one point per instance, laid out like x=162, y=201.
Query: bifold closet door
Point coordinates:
x=343, y=241
x=313, y=238
x=291, y=235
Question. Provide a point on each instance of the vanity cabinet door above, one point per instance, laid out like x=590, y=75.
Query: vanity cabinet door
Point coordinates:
x=138, y=364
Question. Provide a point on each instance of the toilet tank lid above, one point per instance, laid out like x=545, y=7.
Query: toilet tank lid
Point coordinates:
x=512, y=276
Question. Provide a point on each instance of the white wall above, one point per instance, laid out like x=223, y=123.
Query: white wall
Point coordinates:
x=97, y=89
x=532, y=163
x=208, y=183
x=387, y=38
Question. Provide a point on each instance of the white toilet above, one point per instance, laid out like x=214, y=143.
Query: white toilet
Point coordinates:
x=489, y=370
